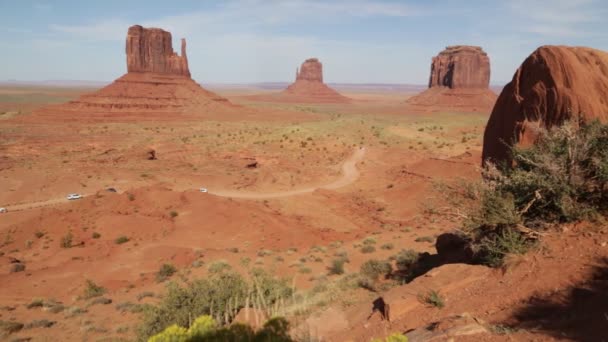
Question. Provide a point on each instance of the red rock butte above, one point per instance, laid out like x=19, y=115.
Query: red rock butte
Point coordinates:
x=157, y=85
x=460, y=80
x=309, y=86
x=554, y=84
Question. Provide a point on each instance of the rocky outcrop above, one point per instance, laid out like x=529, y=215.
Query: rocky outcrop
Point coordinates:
x=157, y=83
x=554, y=84
x=151, y=50
x=459, y=80
x=309, y=86
x=311, y=70
x=461, y=66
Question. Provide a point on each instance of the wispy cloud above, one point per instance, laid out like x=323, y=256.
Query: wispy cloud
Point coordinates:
x=556, y=18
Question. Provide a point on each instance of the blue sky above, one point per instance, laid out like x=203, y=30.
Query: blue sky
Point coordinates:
x=240, y=41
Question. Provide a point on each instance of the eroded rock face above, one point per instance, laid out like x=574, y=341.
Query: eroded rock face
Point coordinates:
x=157, y=84
x=151, y=50
x=461, y=66
x=311, y=70
x=554, y=84
x=459, y=81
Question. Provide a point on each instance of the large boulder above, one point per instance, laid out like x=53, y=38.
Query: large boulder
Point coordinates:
x=554, y=84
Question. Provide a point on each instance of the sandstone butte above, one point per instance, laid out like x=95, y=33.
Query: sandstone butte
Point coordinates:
x=554, y=84
x=459, y=80
x=309, y=86
x=156, y=85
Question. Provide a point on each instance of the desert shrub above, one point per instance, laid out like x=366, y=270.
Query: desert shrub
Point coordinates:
x=337, y=266
x=92, y=290
x=219, y=266
x=173, y=214
x=387, y=246
x=424, y=239
x=268, y=288
x=563, y=177
x=432, y=298
x=121, y=239
x=367, y=249
x=396, y=337
x=205, y=329
x=406, y=260
x=165, y=272
x=36, y=303
x=373, y=269
x=220, y=296
x=96, y=235
x=369, y=241
x=66, y=240
x=8, y=327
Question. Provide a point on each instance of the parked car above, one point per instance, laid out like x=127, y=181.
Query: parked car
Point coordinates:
x=72, y=197
x=203, y=190
x=3, y=210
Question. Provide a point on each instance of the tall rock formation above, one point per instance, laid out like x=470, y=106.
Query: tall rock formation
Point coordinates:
x=554, y=84
x=311, y=70
x=151, y=50
x=459, y=80
x=157, y=82
x=461, y=67
x=309, y=86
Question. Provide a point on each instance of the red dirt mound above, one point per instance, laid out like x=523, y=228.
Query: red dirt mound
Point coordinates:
x=460, y=78
x=554, y=84
x=157, y=82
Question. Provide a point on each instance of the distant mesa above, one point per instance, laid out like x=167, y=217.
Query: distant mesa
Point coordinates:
x=554, y=84
x=309, y=86
x=460, y=80
x=157, y=84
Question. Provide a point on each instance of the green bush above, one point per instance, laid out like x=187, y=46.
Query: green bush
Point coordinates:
x=205, y=329
x=433, y=298
x=563, y=177
x=373, y=269
x=220, y=296
x=66, y=240
x=396, y=337
x=92, y=290
x=165, y=272
x=337, y=266
x=121, y=239
x=368, y=249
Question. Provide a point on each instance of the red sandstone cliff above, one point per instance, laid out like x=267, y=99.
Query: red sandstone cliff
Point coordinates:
x=554, y=84
x=460, y=67
x=459, y=80
x=151, y=50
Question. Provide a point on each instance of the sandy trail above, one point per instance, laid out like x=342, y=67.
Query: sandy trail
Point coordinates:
x=349, y=175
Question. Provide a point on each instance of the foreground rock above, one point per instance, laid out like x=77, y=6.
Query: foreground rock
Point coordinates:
x=460, y=79
x=554, y=84
x=309, y=86
x=157, y=85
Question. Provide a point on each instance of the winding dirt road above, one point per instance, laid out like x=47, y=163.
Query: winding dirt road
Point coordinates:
x=349, y=175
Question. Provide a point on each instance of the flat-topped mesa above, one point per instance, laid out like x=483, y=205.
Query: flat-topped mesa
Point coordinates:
x=151, y=50
x=311, y=70
x=461, y=66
